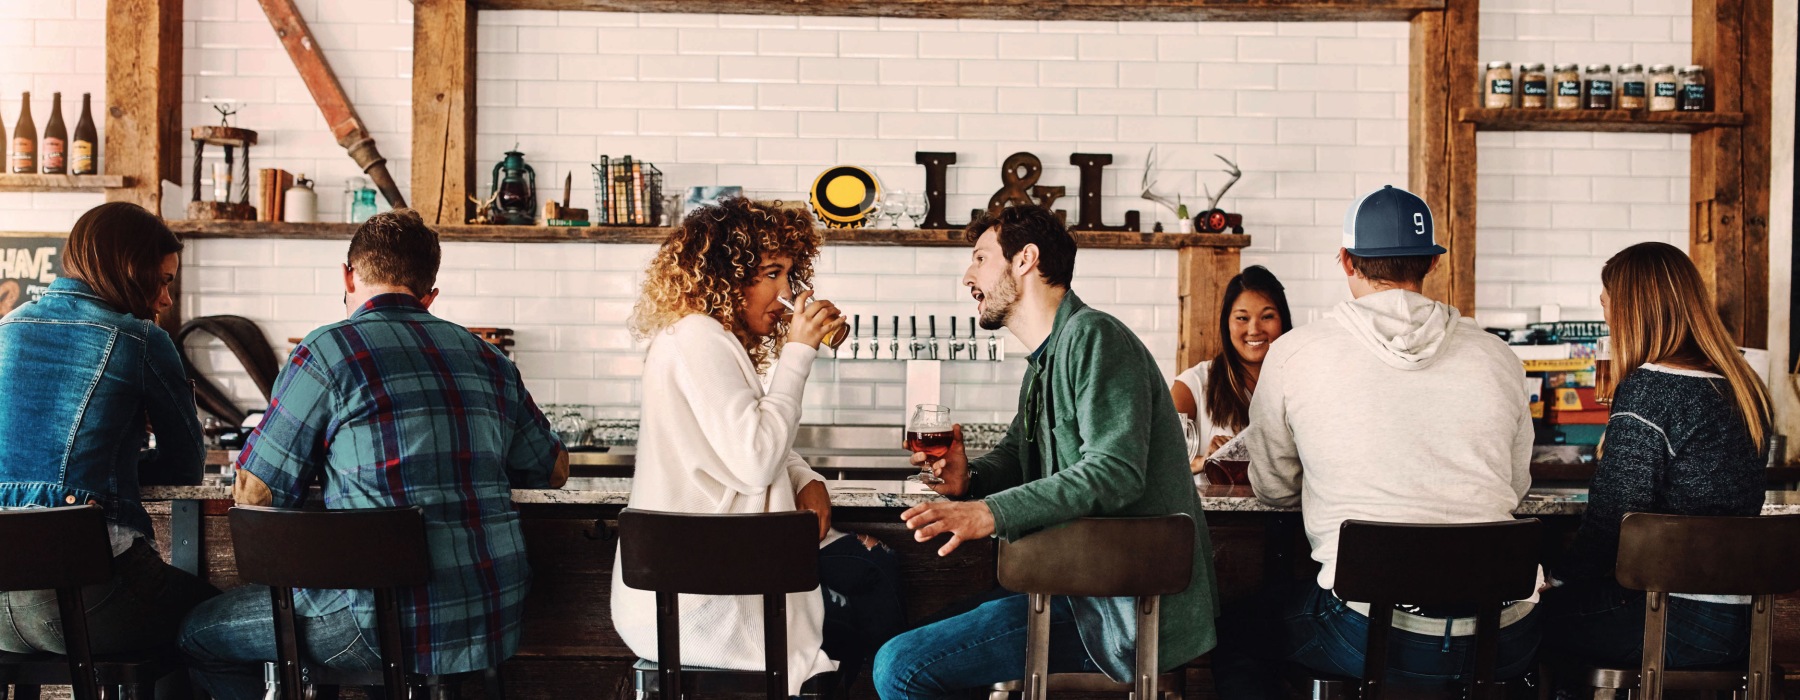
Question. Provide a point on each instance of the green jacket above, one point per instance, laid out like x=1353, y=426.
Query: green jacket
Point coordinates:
x=1099, y=437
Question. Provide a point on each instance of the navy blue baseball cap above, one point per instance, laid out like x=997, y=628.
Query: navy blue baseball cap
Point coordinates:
x=1390, y=223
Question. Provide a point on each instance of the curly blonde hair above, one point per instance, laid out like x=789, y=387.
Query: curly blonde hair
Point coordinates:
x=705, y=265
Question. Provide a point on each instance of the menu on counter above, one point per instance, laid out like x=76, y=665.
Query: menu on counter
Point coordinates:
x=27, y=267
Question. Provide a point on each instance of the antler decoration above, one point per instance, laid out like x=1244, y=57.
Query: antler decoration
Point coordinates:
x=1233, y=172
x=1148, y=184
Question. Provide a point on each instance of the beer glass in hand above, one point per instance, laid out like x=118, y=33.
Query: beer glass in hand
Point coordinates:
x=930, y=431
x=834, y=337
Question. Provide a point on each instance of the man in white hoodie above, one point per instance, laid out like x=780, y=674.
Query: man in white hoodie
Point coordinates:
x=1395, y=409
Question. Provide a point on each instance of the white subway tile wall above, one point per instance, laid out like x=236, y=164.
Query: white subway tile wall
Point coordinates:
x=1314, y=113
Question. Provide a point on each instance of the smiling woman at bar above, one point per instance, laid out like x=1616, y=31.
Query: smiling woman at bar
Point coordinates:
x=1215, y=394
x=85, y=368
x=713, y=440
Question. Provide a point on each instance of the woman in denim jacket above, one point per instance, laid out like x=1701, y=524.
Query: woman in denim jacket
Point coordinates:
x=83, y=370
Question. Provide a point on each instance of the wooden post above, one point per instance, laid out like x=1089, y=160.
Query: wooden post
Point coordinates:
x=143, y=137
x=1203, y=272
x=443, y=165
x=1442, y=80
x=1722, y=185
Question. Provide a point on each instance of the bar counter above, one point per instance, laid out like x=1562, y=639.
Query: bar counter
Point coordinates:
x=569, y=647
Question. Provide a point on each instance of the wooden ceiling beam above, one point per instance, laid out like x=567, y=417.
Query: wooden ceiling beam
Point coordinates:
x=1079, y=10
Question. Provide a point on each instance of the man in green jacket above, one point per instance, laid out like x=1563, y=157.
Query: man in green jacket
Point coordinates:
x=1095, y=435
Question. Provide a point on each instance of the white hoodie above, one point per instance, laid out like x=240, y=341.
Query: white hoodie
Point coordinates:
x=1401, y=411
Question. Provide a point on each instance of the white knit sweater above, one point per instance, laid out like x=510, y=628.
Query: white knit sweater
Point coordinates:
x=712, y=440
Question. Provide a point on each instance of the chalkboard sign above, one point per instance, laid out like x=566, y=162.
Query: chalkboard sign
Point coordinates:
x=27, y=267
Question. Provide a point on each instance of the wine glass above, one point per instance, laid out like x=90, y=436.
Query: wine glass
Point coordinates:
x=917, y=207
x=893, y=206
x=929, y=431
x=570, y=425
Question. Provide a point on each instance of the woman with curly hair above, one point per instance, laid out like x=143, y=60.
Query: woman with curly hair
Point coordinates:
x=712, y=439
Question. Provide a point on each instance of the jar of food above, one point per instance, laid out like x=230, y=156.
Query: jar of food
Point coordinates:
x=1632, y=95
x=1663, y=88
x=1499, y=82
x=1567, y=79
x=1693, y=89
x=1534, y=84
x=1597, y=86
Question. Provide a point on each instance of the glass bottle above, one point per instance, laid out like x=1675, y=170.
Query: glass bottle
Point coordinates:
x=1663, y=88
x=86, y=147
x=1693, y=89
x=359, y=200
x=1535, y=86
x=1499, y=85
x=1568, y=86
x=53, y=151
x=24, y=143
x=1633, y=95
x=1597, y=87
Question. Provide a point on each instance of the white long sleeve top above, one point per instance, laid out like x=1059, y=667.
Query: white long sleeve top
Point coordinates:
x=712, y=440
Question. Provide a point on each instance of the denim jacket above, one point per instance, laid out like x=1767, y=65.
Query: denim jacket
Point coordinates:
x=78, y=381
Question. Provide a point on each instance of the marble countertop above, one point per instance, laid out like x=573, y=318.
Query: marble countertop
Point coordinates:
x=897, y=494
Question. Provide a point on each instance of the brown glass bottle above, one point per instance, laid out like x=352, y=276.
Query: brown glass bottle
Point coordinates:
x=86, y=146
x=53, y=151
x=24, y=143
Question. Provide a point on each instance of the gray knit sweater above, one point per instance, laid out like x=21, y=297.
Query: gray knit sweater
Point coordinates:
x=1675, y=444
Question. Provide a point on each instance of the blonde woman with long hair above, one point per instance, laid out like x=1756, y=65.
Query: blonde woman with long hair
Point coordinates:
x=712, y=439
x=1685, y=437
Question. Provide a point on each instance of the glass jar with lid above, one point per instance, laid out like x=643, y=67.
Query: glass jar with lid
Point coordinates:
x=1597, y=86
x=1534, y=86
x=1567, y=82
x=1693, y=89
x=1632, y=90
x=1498, y=85
x=1663, y=88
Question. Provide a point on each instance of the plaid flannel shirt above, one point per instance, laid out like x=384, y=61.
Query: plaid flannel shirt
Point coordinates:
x=396, y=407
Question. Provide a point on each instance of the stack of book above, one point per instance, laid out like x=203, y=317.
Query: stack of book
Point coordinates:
x=627, y=193
x=272, y=193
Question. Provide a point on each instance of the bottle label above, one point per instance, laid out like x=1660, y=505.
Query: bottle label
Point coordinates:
x=1634, y=89
x=1568, y=88
x=1500, y=87
x=1600, y=87
x=24, y=155
x=84, y=157
x=55, y=154
x=1665, y=89
x=1693, y=93
x=1537, y=87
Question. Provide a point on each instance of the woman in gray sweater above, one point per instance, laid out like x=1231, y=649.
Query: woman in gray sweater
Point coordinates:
x=1685, y=437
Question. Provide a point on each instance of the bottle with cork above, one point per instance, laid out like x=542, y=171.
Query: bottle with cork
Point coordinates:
x=86, y=147
x=24, y=142
x=53, y=151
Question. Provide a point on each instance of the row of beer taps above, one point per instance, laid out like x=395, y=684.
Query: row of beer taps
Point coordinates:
x=917, y=347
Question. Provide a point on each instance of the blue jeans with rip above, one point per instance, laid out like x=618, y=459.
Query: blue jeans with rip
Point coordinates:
x=1306, y=625
x=227, y=639
x=974, y=649
x=1599, y=621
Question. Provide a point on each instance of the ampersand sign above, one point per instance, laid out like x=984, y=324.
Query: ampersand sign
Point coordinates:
x=1020, y=172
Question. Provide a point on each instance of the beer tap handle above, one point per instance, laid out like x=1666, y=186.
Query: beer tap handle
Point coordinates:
x=894, y=341
x=955, y=342
x=855, y=336
x=875, y=339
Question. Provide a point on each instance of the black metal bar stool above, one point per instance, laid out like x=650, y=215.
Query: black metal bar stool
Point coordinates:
x=1479, y=566
x=65, y=549
x=1142, y=558
x=379, y=549
x=1758, y=556
x=670, y=554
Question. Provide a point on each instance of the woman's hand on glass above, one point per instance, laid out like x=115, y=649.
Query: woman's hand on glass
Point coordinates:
x=812, y=320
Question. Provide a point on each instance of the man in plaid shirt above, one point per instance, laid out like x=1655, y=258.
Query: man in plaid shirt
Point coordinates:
x=392, y=407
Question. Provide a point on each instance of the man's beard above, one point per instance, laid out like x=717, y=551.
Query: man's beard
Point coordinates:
x=997, y=307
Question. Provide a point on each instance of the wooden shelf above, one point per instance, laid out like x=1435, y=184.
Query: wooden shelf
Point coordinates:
x=946, y=238
x=1612, y=120
x=61, y=183
x=1088, y=10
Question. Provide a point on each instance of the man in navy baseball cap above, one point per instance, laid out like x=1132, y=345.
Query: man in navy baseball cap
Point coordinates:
x=1405, y=412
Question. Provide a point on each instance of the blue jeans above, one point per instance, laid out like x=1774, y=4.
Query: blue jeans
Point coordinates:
x=1306, y=625
x=975, y=649
x=139, y=609
x=1601, y=622
x=227, y=639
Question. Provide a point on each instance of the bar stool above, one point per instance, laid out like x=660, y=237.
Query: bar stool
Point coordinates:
x=765, y=554
x=65, y=549
x=1758, y=556
x=382, y=549
x=1478, y=565
x=1142, y=558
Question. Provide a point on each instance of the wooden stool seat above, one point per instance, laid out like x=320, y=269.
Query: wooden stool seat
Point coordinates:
x=1142, y=558
x=703, y=680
